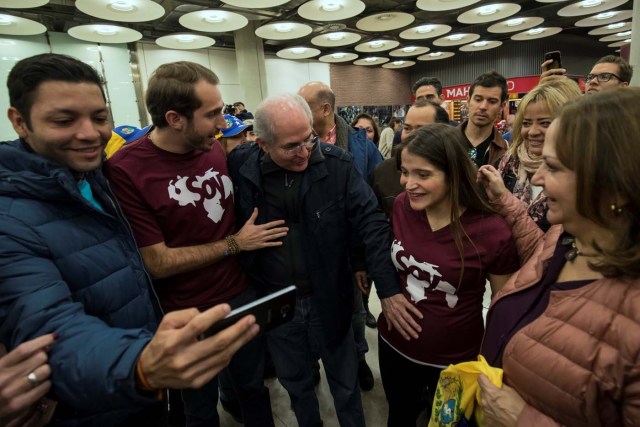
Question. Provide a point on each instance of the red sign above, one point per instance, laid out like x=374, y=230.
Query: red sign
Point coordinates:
x=514, y=85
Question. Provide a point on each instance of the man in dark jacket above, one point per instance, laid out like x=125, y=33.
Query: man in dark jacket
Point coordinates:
x=69, y=265
x=318, y=190
x=487, y=98
x=333, y=129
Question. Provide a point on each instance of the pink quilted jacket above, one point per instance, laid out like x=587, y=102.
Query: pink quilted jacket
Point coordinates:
x=578, y=364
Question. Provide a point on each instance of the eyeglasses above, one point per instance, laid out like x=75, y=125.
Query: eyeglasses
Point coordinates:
x=602, y=77
x=307, y=144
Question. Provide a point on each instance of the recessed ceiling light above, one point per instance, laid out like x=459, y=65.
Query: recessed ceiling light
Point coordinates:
x=481, y=43
x=606, y=15
x=614, y=26
x=376, y=44
x=5, y=20
x=298, y=50
x=331, y=7
x=455, y=37
x=284, y=28
x=371, y=59
x=385, y=17
x=122, y=6
x=107, y=30
x=623, y=34
x=435, y=54
x=398, y=62
x=338, y=55
x=591, y=3
x=409, y=49
x=514, y=22
x=424, y=29
x=534, y=31
x=214, y=19
x=335, y=36
x=185, y=38
x=487, y=10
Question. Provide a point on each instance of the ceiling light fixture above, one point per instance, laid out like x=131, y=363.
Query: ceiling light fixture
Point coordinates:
x=298, y=50
x=409, y=49
x=331, y=7
x=398, y=62
x=487, y=10
x=185, y=38
x=591, y=3
x=336, y=36
x=5, y=20
x=122, y=6
x=106, y=30
x=456, y=37
x=535, y=31
x=627, y=40
x=435, y=54
x=385, y=17
x=424, y=29
x=214, y=19
x=376, y=44
x=606, y=15
x=614, y=26
x=514, y=22
x=338, y=55
x=481, y=43
x=371, y=59
x=284, y=28
x=623, y=34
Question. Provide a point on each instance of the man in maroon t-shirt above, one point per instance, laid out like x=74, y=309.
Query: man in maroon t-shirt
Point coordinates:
x=175, y=190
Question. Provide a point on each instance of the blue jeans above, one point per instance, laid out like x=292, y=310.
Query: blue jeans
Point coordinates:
x=246, y=370
x=290, y=346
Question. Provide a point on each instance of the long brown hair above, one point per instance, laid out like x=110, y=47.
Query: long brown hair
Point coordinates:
x=597, y=138
x=443, y=146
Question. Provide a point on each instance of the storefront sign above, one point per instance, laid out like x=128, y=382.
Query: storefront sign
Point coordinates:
x=514, y=85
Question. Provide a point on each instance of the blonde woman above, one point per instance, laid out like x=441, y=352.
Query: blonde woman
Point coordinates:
x=535, y=113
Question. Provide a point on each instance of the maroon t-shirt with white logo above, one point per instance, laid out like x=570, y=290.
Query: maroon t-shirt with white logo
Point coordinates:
x=181, y=200
x=429, y=267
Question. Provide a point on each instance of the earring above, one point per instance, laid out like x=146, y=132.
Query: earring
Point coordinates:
x=615, y=209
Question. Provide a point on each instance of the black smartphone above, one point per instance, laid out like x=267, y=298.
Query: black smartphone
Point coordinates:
x=556, y=57
x=270, y=311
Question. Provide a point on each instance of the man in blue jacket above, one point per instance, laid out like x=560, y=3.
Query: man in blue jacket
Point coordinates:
x=319, y=191
x=69, y=264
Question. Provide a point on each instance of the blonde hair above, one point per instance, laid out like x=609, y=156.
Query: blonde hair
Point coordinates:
x=554, y=94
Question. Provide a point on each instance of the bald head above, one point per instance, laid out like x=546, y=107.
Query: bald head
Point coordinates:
x=423, y=113
x=322, y=102
x=274, y=113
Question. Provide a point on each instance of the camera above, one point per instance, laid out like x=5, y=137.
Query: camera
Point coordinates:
x=229, y=109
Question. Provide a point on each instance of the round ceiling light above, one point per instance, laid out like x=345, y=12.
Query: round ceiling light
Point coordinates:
x=330, y=10
x=121, y=10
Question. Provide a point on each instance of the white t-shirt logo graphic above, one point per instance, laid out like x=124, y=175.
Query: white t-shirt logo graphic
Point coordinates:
x=213, y=188
x=421, y=276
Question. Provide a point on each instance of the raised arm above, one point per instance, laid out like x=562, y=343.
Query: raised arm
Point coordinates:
x=524, y=230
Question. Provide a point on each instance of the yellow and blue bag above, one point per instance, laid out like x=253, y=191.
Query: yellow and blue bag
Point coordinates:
x=457, y=397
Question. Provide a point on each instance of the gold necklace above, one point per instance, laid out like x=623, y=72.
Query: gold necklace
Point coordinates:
x=574, y=252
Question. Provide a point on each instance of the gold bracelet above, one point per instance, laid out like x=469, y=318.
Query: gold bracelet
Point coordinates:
x=232, y=245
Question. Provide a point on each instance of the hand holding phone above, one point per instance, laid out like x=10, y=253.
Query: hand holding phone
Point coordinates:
x=270, y=311
x=555, y=58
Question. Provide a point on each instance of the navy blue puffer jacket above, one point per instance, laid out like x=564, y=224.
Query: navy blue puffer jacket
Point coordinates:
x=68, y=268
